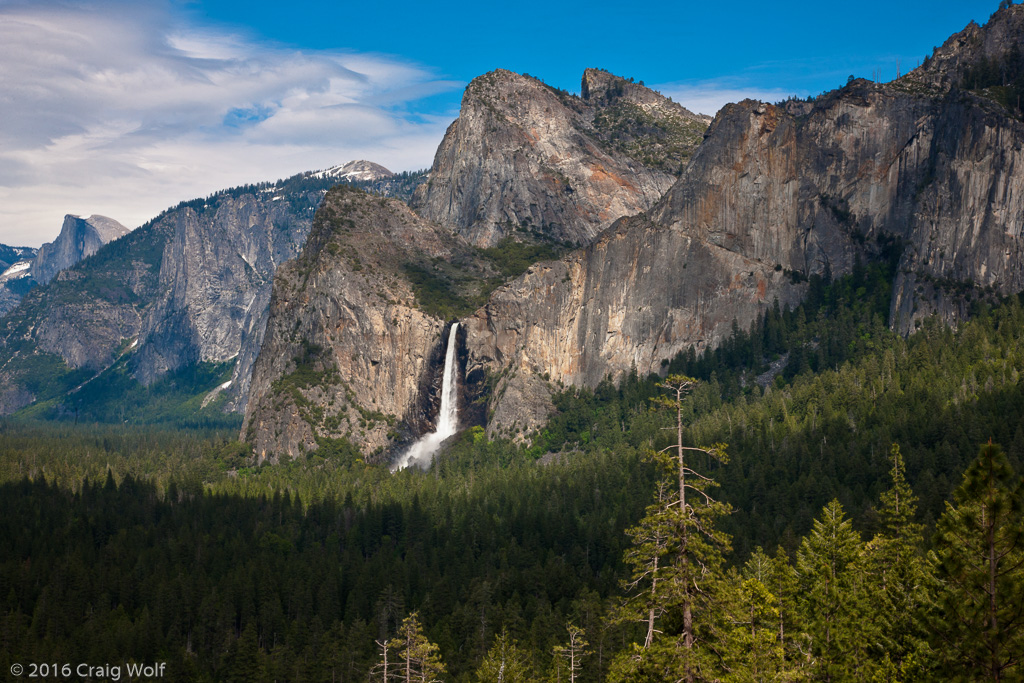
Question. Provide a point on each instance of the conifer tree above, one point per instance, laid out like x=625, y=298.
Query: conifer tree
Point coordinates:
x=833, y=608
x=416, y=658
x=772, y=592
x=753, y=652
x=676, y=562
x=899, y=578
x=505, y=662
x=572, y=653
x=979, y=563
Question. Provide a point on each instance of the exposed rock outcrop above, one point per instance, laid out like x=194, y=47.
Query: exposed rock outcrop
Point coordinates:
x=525, y=156
x=639, y=294
x=348, y=350
x=192, y=285
x=215, y=279
x=78, y=238
x=994, y=42
x=802, y=188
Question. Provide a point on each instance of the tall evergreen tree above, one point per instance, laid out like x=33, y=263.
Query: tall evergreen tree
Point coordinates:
x=833, y=607
x=979, y=563
x=899, y=577
x=417, y=659
x=572, y=654
x=676, y=563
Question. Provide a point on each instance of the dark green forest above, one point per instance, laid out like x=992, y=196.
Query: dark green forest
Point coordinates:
x=847, y=507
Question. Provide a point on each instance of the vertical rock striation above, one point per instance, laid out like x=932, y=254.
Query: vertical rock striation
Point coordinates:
x=802, y=188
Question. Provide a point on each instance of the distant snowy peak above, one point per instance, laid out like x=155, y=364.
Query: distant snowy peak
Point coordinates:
x=356, y=170
x=16, y=271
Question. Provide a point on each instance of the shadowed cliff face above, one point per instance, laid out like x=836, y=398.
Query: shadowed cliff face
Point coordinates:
x=525, y=156
x=215, y=278
x=348, y=354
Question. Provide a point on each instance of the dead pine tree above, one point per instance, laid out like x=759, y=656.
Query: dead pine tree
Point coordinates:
x=383, y=671
x=572, y=653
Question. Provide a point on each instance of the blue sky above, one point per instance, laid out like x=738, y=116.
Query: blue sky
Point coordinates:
x=124, y=108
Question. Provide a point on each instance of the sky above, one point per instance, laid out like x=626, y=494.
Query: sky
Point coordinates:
x=126, y=108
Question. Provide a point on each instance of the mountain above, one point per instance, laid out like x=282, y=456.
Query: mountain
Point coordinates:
x=333, y=373
x=78, y=238
x=189, y=288
x=775, y=194
x=11, y=255
x=915, y=171
x=24, y=268
x=526, y=158
x=15, y=275
x=361, y=170
x=351, y=343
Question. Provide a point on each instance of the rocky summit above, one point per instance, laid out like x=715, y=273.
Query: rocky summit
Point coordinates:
x=524, y=157
x=78, y=238
x=773, y=195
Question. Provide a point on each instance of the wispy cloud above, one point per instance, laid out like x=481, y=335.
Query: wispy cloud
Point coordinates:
x=707, y=97
x=123, y=108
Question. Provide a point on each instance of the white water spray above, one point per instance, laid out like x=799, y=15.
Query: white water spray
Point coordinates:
x=422, y=452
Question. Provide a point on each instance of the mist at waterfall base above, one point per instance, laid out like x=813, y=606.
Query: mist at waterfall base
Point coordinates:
x=422, y=452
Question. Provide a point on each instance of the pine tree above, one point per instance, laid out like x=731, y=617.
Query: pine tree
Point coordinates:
x=676, y=562
x=768, y=591
x=833, y=608
x=572, y=653
x=979, y=563
x=899, y=579
x=505, y=662
x=416, y=659
x=753, y=652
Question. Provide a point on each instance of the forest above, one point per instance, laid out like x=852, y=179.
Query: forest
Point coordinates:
x=817, y=499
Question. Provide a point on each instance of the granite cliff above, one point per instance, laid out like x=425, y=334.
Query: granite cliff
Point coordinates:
x=775, y=190
x=24, y=268
x=190, y=286
x=526, y=157
x=350, y=350
x=78, y=238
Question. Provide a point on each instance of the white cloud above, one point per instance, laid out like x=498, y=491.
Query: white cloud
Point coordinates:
x=125, y=110
x=707, y=97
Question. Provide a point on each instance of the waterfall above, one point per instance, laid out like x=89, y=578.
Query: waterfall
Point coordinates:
x=422, y=452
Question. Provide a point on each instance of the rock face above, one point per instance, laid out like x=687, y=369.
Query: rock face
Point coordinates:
x=78, y=238
x=639, y=294
x=994, y=42
x=190, y=286
x=215, y=279
x=348, y=352
x=524, y=156
x=802, y=188
x=15, y=275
